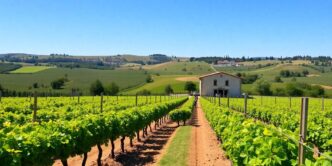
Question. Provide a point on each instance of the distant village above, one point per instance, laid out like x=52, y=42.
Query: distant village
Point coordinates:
x=227, y=63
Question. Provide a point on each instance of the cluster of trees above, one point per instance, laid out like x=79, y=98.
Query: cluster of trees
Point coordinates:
x=288, y=73
x=97, y=88
x=320, y=60
x=263, y=87
x=247, y=78
x=59, y=83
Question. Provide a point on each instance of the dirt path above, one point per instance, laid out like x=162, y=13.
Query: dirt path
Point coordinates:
x=146, y=152
x=205, y=148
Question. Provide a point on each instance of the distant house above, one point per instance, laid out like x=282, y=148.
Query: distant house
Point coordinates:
x=226, y=63
x=220, y=83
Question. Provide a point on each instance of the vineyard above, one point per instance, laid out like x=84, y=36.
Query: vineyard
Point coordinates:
x=266, y=131
x=252, y=131
x=39, y=131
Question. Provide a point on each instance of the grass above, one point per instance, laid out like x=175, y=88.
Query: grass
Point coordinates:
x=159, y=83
x=178, y=151
x=30, y=69
x=181, y=68
x=78, y=78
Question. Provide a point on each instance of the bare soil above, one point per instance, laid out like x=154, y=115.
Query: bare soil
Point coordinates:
x=146, y=152
x=324, y=86
x=187, y=78
x=205, y=148
x=313, y=75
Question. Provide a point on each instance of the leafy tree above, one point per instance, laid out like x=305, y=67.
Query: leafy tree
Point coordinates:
x=249, y=79
x=305, y=72
x=96, y=88
x=1, y=88
x=277, y=79
x=316, y=91
x=149, y=79
x=280, y=92
x=293, y=89
x=190, y=86
x=112, y=89
x=168, y=89
x=144, y=92
x=263, y=87
x=58, y=83
x=35, y=85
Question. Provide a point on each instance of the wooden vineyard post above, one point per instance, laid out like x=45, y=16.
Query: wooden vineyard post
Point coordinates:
x=219, y=99
x=101, y=101
x=228, y=102
x=275, y=100
x=303, y=129
x=245, y=104
x=290, y=102
x=136, y=99
x=34, y=118
x=0, y=95
x=78, y=98
x=323, y=107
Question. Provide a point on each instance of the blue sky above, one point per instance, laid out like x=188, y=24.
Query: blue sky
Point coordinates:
x=173, y=27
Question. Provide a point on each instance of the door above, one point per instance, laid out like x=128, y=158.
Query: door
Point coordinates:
x=225, y=93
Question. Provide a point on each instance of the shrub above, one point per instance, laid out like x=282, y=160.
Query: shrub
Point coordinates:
x=189, y=86
x=263, y=87
x=149, y=79
x=144, y=92
x=277, y=79
x=96, y=88
x=112, y=89
x=59, y=83
x=168, y=89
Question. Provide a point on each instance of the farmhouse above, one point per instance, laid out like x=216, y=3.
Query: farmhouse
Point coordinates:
x=220, y=83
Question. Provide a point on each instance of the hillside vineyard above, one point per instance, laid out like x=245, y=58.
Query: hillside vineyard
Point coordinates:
x=66, y=126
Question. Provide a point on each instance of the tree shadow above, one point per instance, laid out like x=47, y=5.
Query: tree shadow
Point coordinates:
x=144, y=153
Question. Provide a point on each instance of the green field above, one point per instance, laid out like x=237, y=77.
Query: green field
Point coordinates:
x=78, y=78
x=178, y=151
x=30, y=69
x=159, y=83
x=180, y=68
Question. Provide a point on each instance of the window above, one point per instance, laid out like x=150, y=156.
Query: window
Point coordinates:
x=215, y=82
x=226, y=83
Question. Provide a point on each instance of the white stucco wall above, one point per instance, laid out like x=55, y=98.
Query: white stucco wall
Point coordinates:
x=207, y=87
